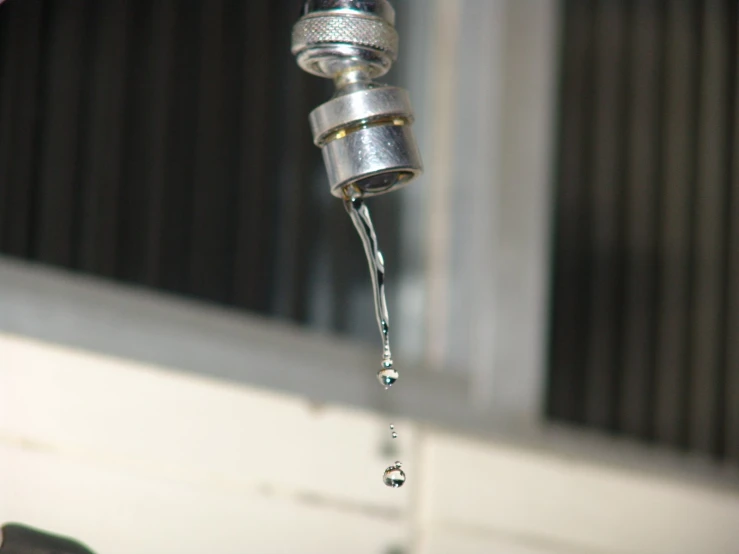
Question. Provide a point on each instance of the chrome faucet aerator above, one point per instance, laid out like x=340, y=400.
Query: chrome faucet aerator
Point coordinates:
x=365, y=130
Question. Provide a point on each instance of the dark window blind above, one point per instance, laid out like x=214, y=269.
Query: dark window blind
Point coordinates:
x=167, y=144
x=645, y=323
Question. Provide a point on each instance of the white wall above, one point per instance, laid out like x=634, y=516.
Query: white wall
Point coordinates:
x=135, y=458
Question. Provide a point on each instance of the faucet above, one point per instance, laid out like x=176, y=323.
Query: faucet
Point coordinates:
x=365, y=130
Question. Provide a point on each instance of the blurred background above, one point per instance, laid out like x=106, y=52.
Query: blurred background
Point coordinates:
x=187, y=335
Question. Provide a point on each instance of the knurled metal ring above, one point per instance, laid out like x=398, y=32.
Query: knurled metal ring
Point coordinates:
x=369, y=32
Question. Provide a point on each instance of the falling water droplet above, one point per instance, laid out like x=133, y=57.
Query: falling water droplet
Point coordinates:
x=394, y=476
x=387, y=375
x=392, y=426
x=395, y=435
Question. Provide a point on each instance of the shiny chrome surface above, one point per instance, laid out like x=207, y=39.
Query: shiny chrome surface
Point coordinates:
x=365, y=130
x=363, y=105
x=330, y=60
x=376, y=159
x=379, y=8
x=320, y=39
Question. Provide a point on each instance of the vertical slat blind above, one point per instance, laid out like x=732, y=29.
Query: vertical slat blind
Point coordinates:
x=167, y=144
x=645, y=320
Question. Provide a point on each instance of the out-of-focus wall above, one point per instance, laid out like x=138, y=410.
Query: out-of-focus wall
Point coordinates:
x=136, y=458
x=475, y=228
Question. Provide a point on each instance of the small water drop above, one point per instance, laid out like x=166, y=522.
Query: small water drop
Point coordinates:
x=394, y=476
x=392, y=426
x=395, y=435
x=387, y=376
x=397, y=463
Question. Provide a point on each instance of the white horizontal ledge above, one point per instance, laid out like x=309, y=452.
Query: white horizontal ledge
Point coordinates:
x=134, y=323
x=133, y=458
x=177, y=457
x=141, y=325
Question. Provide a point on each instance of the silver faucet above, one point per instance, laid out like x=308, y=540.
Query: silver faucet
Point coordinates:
x=364, y=131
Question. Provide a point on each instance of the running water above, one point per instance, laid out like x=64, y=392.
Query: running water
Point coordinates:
x=359, y=213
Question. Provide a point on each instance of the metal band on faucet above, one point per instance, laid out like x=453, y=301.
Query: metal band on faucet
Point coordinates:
x=365, y=131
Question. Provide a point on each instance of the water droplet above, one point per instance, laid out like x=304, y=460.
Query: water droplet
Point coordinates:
x=395, y=435
x=397, y=463
x=392, y=426
x=387, y=364
x=394, y=476
x=387, y=376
